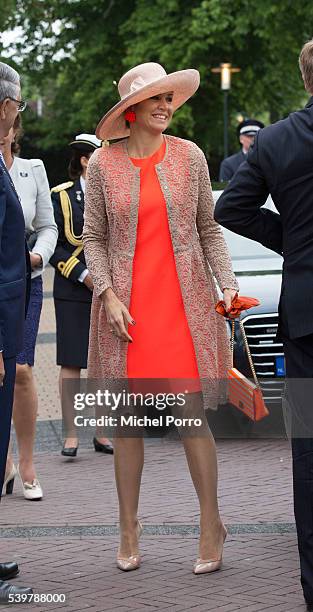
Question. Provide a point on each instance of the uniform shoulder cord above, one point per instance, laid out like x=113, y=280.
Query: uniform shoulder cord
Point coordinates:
x=66, y=206
x=66, y=267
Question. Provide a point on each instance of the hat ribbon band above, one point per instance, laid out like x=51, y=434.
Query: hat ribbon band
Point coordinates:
x=138, y=84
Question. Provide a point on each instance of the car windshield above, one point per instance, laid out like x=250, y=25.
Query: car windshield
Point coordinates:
x=243, y=248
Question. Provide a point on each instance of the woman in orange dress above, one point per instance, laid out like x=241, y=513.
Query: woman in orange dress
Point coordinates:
x=163, y=349
x=152, y=248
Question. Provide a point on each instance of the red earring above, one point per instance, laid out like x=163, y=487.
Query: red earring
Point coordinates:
x=130, y=116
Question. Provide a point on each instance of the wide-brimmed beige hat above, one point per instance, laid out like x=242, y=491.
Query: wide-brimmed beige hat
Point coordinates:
x=140, y=83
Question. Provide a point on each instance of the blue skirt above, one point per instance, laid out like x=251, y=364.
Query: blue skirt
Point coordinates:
x=72, y=322
x=27, y=354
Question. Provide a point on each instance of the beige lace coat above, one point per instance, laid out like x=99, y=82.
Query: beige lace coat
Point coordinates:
x=111, y=212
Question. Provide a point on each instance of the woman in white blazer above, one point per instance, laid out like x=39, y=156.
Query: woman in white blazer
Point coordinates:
x=31, y=183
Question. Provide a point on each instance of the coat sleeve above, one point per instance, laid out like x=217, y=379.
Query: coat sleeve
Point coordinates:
x=44, y=223
x=239, y=206
x=211, y=237
x=70, y=267
x=2, y=217
x=95, y=233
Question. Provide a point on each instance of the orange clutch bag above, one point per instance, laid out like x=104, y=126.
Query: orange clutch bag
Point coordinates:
x=243, y=393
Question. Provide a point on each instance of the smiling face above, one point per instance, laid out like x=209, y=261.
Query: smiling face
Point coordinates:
x=154, y=114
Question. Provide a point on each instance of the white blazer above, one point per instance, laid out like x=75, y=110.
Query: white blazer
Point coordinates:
x=31, y=183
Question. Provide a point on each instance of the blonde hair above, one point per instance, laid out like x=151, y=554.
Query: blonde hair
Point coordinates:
x=306, y=65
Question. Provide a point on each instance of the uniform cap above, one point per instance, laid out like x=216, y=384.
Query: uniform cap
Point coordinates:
x=249, y=127
x=86, y=142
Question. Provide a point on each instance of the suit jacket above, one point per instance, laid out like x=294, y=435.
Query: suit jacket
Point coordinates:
x=110, y=231
x=12, y=268
x=280, y=163
x=31, y=183
x=68, y=258
x=230, y=165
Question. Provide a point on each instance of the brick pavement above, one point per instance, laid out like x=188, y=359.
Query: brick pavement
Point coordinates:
x=260, y=568
x=260, y=573
x=67, y=542
x=251, y=492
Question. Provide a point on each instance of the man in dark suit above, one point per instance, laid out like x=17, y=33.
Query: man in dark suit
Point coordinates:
x=246, y=131
x=281, y=163
x=12, y=292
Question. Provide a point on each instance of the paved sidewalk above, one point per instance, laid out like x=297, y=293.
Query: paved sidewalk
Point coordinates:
x=66, y=544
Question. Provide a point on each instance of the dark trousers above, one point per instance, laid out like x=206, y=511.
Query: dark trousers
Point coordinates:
x=299, y=370
x=6, y=404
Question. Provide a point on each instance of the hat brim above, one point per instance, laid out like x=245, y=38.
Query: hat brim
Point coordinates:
x=183, y=84
x=83, y=145
x=250, y=133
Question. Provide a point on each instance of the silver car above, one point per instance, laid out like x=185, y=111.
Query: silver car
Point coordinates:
x=259, y=272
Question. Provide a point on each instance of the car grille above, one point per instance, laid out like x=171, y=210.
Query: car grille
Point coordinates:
x=261, y=331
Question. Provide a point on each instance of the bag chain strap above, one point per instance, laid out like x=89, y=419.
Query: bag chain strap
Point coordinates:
x=255, y=378
x=232, y=342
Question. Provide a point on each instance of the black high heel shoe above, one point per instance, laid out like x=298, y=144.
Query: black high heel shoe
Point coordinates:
x=69, y=452
x=103, y=448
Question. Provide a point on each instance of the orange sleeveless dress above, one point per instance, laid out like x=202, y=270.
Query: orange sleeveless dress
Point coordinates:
x=162, y=344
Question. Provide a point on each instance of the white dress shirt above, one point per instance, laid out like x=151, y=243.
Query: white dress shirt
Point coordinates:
x=85, y=272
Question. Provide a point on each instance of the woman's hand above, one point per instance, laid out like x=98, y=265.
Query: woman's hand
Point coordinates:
x=35, y=261
x=88, y=282
x=2, y=371
x=117, y=314
x=228, y=295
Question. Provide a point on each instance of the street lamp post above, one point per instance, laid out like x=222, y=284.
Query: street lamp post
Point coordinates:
x=225, y=123
x=226, y=70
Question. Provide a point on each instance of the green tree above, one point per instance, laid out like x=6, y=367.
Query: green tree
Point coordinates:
x=73, y=50
x=70, y=55
x=262, y=38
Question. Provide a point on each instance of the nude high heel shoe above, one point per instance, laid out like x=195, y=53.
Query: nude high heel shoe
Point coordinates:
x=127, y=564
x=207, y=566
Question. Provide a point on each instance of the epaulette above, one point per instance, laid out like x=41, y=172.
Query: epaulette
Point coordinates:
x=61, y=187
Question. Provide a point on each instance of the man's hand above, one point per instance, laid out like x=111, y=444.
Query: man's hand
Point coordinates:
x=88, y=282
x=228, y=295
x=117, y=314
x=35, y=260
x=2, y=372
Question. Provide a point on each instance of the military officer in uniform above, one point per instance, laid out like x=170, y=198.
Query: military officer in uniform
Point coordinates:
x=246, y=132
x=72, y=290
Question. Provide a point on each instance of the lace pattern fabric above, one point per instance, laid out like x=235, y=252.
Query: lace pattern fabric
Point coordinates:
x=111, y=215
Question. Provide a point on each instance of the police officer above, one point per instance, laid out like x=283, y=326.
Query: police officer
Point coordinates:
x=246, y=131
x=72, y=290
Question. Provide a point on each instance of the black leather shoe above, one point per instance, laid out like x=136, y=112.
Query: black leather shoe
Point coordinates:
x=8, y=570
x=69, y=452
x=102, y=448
x=7, y=589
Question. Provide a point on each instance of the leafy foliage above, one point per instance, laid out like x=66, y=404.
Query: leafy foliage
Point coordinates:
x=73, y=50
